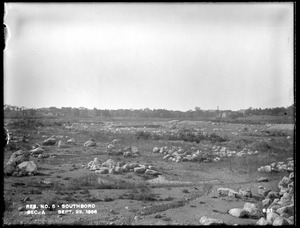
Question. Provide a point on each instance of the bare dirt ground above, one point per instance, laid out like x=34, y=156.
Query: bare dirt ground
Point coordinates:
x=182, y=194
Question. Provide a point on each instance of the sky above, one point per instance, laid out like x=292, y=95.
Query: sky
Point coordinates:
x=174, y=56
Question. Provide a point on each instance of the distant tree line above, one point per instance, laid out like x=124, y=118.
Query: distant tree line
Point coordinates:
x=10, y=110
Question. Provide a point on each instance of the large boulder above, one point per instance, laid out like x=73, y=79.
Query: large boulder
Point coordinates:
x=49, y=142
x=253, y=210
x=210, y=221
x=238, y=212
x=18, y=157
x=29, y=166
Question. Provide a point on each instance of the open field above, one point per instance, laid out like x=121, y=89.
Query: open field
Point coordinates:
x=179, y=189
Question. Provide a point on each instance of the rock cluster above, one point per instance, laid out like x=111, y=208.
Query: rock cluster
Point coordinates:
x=224, y=152
x=113, y=149
x=178, y=154
x=277, y=207
x=37, y=151
x=234, y=194
x=112, y=167
x=19, y=164
x=278, y=167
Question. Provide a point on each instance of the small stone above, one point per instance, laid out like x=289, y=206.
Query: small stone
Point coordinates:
x=151, y=172
x=263, y=179
x=90, y=143
x=22, y=208
x=38, y=150
x=139, y=169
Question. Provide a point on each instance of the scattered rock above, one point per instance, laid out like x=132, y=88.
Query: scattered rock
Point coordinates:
x=210, y=221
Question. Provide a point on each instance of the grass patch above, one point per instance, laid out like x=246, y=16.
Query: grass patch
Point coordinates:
x=142, y=192
x=94, y=181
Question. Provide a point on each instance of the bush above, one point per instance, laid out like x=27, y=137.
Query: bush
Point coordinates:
x=143, y=135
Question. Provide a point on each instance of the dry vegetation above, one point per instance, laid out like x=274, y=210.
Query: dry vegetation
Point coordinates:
x=128, y=198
